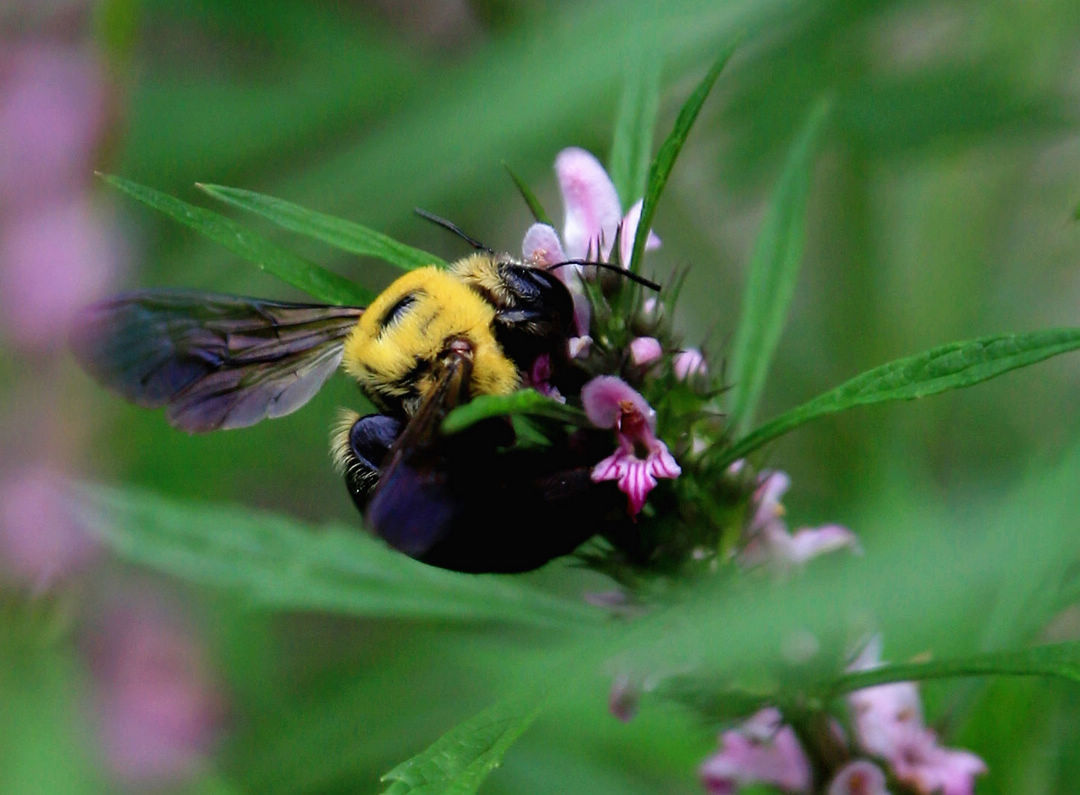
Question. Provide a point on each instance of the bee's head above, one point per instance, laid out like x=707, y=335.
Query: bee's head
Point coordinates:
x=401, y=346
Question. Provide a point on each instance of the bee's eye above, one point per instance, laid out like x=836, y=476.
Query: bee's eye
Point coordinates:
x=397, y=310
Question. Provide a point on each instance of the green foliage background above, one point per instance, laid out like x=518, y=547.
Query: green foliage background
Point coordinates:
x=941, y=208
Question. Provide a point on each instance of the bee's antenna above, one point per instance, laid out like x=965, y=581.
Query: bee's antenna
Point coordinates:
x=629, y=274
x=451, y=226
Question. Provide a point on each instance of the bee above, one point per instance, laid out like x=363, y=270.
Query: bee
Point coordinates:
x=434, y=339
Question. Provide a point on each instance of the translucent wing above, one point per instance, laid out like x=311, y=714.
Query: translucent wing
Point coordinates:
x=215, y=361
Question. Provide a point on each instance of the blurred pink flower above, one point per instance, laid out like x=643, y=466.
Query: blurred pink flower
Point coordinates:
x=159, y=708
x=40, y=541
x=888, y=722
x=860, y=777
x=610, y=402
x=768, y=540
x=689, y=365
x=761, y=750
x=52, y=112
x=54, y=259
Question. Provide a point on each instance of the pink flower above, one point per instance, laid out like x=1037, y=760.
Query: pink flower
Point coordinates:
x=52, y=111
x=54, y=258
x=768, y=540
x=645, y=350
x=610, y=402
x=593, y=212
x=159, y=708
x=539, y=378
x=40, y=542
x=860, y=777
x=761, y=750
x=888, y=722
x=593, y=219
x=689, y=365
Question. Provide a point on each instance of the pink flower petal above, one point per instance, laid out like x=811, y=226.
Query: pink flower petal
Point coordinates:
x=662, y=463
x=888, y=723
x=689, y=364
x=592, y=205
x=614, y=467
x=52, y=111
x=919, y=761
x=578, y=346
x=541, y=246
x=860, y=777
x=603, y=398
x=54, y=258
x=771, y=487
x=628, y=231
x=645, y=350
x=159, y=706
x=808, y=542
x=758, y=752
x=636, y=477
x=40, y=541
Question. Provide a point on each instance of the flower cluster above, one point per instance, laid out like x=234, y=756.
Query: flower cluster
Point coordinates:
x=156, y=704
x=644, y=386
x=888, y=730
x=594, y=222
x=768, y=540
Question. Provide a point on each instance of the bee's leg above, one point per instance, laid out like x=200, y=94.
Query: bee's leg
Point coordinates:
x=369, y=440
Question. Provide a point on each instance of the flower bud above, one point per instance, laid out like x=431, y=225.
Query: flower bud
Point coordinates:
x=644, y=351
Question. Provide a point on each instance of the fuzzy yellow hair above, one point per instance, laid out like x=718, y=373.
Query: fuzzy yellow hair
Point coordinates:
x=391, y=353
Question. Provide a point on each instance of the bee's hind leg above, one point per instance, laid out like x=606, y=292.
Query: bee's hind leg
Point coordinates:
x=359, y=448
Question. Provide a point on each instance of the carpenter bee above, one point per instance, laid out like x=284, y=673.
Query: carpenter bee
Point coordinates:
x=432, y=340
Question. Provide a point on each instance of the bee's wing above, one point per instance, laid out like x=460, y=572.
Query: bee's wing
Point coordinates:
x=215, y=361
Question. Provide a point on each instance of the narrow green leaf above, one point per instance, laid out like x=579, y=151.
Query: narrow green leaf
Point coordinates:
x=774, y=270
x=669, y=151
x=459, y=761
x=523, y=401
x=535, y=207
x=1059, y=660
x=952, y=366
x=281, y=563
x=313, y=279
x=635, y=120
x=346, y=235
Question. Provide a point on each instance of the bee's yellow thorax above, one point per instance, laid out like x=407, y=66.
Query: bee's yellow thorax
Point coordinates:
x=407, y=328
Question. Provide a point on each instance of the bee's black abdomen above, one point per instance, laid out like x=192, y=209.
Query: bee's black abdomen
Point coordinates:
x=469, y=506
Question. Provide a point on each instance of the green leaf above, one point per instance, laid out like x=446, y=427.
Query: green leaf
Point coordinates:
x=774, y=270
x=523, y=401
x=535, y=207
x=44, y=726
x=346, y=235
x=669, y=151
x=281, y=563
x=1059, y=660
x=635, y=120
x=459, y=761
x=295, y=270
x=952, y=366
